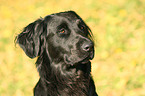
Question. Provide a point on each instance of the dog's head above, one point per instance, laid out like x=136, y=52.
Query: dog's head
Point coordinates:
x=63, y=36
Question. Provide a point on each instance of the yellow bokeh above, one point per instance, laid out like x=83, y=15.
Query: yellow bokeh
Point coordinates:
x=118, y=67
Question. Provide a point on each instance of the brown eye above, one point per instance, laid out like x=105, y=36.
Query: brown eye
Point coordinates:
x=82, y=27
x=62, y=31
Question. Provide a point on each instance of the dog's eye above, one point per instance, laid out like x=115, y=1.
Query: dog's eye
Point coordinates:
x=82, y=27
x=62, y=31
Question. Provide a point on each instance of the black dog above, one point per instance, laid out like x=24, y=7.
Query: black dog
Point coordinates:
x=63, y=44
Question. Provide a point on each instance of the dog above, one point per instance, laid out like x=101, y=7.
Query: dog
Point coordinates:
x=63, y=45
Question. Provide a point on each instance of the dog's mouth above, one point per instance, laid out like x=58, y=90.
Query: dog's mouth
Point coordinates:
x=87, y=59
x=72, y=61
x=84, y=61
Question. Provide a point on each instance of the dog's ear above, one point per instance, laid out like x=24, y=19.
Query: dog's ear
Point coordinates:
x=29, y=39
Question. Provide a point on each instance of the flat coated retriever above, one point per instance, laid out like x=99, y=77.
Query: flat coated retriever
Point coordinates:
x=63, y=44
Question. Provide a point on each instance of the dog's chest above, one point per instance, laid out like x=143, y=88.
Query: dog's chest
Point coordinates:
x=74, y=90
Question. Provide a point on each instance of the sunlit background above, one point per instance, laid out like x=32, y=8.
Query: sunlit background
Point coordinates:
x=118, y=26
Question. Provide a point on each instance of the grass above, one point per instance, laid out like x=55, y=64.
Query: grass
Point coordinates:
x=118, y=27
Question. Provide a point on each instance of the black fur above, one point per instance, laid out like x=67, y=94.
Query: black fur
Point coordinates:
x=63, y=44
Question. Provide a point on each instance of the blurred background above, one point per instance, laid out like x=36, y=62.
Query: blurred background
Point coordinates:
x=118, y=26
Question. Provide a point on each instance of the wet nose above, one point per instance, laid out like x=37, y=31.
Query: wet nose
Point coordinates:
x=87, y=46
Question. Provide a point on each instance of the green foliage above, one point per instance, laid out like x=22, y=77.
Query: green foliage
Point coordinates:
x=118, y=27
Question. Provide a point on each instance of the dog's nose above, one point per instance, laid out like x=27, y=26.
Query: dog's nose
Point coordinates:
x=87, y=46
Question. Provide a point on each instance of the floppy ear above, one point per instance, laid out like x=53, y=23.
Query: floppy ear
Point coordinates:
x=29, y=39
